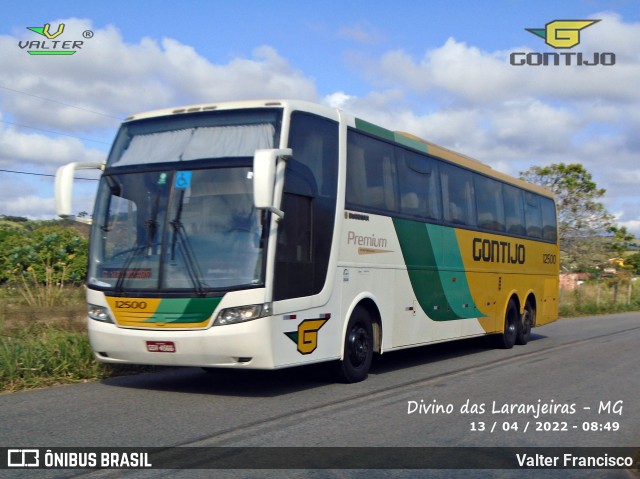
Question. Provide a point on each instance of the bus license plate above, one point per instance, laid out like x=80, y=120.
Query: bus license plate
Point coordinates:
x=161, y=347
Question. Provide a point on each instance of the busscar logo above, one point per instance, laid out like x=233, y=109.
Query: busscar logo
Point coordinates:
x=562, y=35
x=306, y=337
x=53, y=44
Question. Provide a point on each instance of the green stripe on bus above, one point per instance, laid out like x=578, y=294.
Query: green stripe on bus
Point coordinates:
x=411, y=143
x=184, y=310
x=375, y=130
x=393, y=136
x=442, y=291
x=452, y=273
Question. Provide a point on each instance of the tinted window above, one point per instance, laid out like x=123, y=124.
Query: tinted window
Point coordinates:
x=393, y=180
x=489, y=203
x=309, y=202
x=549, y=226
x=513, y=210
x=419, y=195
x=457, y=195
x=370, y=173
x=533, y=215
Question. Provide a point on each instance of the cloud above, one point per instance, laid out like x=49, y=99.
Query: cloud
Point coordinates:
x=63, y=100
x=21, y=150
x=456, y=72
x=515, y=117
x=115, y=78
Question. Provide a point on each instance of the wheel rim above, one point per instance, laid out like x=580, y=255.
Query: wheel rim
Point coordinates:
x=358, y=344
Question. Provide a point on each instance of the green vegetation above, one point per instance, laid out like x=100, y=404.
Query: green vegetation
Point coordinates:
x=46, y=346
x=41, y=347
x=603, y=296
x=43, y=339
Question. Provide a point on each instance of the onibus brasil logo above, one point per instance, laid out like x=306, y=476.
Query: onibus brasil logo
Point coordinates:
x=51, y=45
x=562, y=35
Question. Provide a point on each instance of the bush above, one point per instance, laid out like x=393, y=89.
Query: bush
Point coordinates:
x=41, y=262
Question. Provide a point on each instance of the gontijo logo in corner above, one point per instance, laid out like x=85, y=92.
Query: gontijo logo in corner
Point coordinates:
x=562, y=35
x=51, y=45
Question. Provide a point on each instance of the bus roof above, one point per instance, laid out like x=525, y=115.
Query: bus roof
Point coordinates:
x=405, y=139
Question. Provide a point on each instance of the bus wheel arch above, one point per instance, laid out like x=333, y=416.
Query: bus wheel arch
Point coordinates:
x=376, y=322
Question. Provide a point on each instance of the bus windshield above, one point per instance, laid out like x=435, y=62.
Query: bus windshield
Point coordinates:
x=175, y=209
x=177, y=229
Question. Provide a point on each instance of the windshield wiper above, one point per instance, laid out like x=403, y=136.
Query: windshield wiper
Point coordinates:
x=179, y=234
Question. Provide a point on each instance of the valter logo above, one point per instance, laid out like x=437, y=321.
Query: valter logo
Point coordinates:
x=52, y=44
x=562, y=35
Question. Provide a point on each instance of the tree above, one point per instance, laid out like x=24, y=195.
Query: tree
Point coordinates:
x=585, y=227
x=633, y=261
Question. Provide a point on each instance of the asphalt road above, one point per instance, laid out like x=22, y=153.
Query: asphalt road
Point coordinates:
x=576, y=384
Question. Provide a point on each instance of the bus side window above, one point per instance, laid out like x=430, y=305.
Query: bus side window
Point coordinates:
x=549, y=223
x=371, y=173
x=419, y=194
x=489, y=203
x=532, y=215
x=513, y=209
x=457, y=194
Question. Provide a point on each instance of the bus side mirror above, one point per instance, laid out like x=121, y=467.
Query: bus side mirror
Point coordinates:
x=265, y=175
x=64, y=188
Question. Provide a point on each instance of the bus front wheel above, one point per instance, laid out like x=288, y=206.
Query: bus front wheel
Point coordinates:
x=357, y=348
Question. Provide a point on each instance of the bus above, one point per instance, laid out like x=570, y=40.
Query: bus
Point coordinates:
x=271, y=234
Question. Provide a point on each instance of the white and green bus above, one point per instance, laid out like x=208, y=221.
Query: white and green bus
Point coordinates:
x=270, y=234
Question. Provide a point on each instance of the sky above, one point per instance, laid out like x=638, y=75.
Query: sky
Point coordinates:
x=438, y=69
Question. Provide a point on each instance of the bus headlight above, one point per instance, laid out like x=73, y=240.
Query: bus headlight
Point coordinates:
x=99, y=313
x=242, y=314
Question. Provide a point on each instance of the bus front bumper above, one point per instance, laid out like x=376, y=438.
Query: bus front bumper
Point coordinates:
x=244, y=345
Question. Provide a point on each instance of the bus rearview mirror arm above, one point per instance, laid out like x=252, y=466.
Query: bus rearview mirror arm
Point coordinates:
x=266, y=173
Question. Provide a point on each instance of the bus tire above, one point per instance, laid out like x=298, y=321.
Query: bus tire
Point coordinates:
x=507, y=338
x=357, y=348
x=526, y=321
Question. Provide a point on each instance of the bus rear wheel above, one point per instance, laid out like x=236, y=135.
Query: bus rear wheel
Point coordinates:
x=507, y=338
x=526, y=321
x=357, y=348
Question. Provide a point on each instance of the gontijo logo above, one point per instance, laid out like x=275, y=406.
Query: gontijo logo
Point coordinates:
x=562, y=35
x=306, y=337
x=51, y=46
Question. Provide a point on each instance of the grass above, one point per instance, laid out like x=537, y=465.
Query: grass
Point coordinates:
x=599, y=297
x=43, y=355
x=45, y=347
